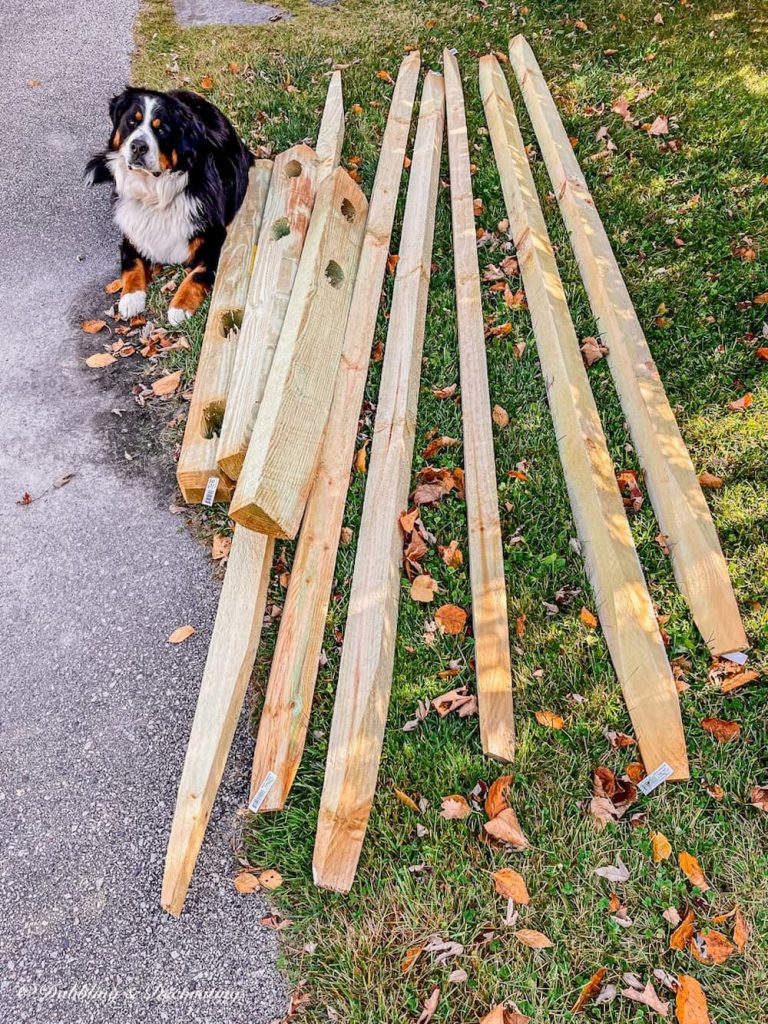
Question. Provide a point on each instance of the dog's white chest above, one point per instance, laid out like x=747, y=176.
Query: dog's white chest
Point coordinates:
x=155, y=213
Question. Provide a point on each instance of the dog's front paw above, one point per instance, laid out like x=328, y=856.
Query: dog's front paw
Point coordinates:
x=177, y=315
x=131, y=304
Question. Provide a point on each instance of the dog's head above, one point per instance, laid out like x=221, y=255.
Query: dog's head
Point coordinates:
x=153, y=131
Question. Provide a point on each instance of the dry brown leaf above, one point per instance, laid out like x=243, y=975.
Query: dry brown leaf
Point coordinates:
x=590, y=990
x=740, y=930
x=446, y=392
x=220, y=546
x=451, y=619
x=430, y=1004
x=451, y=701
x=661, y=848
x=455, y=806
x=99, y=359
x=722, y=731
x=741, y=404
x=437, y=443
x=385, y=77
x=93, y=326
x=206, y=82
x=533, y=939
x=247, y=882
x=270, y=879
x=710, y=947
x=499, y=1015
x=497, y=797
x=451, y=554
x=506, y=828
x=682, y=935
x=635, y=771
x=660, y=126
x=511, y=885
x=361, y=459
x=711, y=481
x=588, y=618
x=758, y=797
x=181, y=634
x=648, y=997
x=411, y=956
x=592, y=351
x=423, y=588
x=500, y=416
x=549, y=719
x=166, y=385
x=692, y=870
x=739, y=679
x=690, y=1001
x=408, y=801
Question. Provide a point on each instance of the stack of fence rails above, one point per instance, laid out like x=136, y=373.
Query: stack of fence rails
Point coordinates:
x=229, y=664
x=623, y=602
x=674, y=489
x=365, y=672
x=486, y=560
x=197, y=460
x=278, y=471
x=285, y=716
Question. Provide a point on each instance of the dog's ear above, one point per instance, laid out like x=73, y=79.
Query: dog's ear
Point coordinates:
x=191, y=138
x=120, y=103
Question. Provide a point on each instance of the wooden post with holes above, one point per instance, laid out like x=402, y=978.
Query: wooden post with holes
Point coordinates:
x=365, y=673
x=623, y=603
x=277, y=474
x=486, y=560
x=228, y=669
x=330, y=137
x=674, y=489
x=197, y=460
x=281, y=240
x=284, y=719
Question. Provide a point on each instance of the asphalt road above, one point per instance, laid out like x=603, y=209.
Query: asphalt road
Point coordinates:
x=96, y=706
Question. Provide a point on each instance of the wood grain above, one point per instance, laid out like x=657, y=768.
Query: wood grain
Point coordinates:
x=673, y=486
x=365, y=672
x=283, y=725
x=277, y=474
x=330, y=138
x=486, y=560
x=197, y=460
x=623, y=604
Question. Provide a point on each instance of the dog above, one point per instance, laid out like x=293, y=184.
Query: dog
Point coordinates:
x=179, y=172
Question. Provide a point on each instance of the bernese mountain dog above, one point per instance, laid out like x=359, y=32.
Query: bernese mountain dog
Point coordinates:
x=180, y=173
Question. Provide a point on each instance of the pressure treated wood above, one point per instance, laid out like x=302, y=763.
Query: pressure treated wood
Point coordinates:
x=283, y=726
x=278, y=471
x=365, y=672
x=197, y=460
x=227, y=670
x=486, y=560
x=330, y=138
x=675, y=493
x=281, y=240
x=623, y=603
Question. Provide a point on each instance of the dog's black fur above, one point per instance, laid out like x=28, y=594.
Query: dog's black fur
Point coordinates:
x=189, y=137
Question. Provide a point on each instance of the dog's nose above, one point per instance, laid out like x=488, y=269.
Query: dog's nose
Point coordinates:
x=138, y=148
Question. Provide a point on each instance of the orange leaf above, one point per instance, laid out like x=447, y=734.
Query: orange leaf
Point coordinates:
x=692, y=869
x=722, y=731
x=690, y=1002
x=385, y=77
x=247, y=882
x=500, y=416
x=506, y=828
x=682, y=935
x=535, y=940
x=511, y=885
x=710, y=947
x=496, y=799
x=270, y=879
x=710, y=480
x=178, y=636
x=737, y=680
x=206, y=82
x=451, y=619
x=99, y=359
x=741, y=404
x=660, y=847
x=761, y=299
x=410, y=958
x=455, y=806
x=93, y=326
x=166, y=385
x=220, y=546
x=740, y=930
x=588, y=618
x=590, y=990
x=407, y=800
x=549, y=719
x=423, y=588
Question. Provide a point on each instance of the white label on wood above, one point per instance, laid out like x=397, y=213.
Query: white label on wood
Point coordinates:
x=210, y=490
x=655, y=779
x=258, y=797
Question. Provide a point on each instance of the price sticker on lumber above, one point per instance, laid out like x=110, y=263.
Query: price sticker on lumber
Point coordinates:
x=655, y=779
x=258, y=797
x=210, y=490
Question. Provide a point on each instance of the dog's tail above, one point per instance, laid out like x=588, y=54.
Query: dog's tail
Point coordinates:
x=97, y=171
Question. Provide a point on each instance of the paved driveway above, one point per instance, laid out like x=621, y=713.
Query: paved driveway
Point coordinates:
x=95, y=706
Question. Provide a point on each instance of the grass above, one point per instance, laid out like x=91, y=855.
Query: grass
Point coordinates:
x=703, y=67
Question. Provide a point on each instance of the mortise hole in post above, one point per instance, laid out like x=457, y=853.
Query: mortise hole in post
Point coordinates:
x=292, y=169
x=280, y=229
x=230, y=320
x=348, y=211
x=213, y=417
x=334, y=273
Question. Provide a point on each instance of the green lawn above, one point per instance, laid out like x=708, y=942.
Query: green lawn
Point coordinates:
x=703, y=67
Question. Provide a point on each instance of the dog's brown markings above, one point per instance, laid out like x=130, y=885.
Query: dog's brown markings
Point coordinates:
x=156, y=122
x=194, y=245
x=116, y=140
x=138, y=116
x=191, y=293
x=135, y=279
x=174, y=157
x=165, y=163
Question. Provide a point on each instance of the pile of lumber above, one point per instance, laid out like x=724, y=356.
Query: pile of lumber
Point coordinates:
x=272, y=427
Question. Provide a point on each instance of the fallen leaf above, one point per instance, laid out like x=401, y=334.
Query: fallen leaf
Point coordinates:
x=710, y=480
x=451, y=619
x=682, y=935
x=592, y=351
x=512, y=885
x=453, y=700
x=740, y=930
x=276, y=921
x=619, y=740
x=220, y=546
x=711, y=947
x=206, y=82
x=630, y=489
x=649, y=997
x=99, y=359
x=533, y=939
x=588, y=618
x=690, y=1002
x=446, y=392
x=722, y=730
x=500, y=1015
x=166, y=385
x=692, y=869
x=455, y=806
x=451, y=554
x=410, y=958
x=660, y=126
x=430, y=1004
x=423, y=588
x=497, y=797
x=247, y=882
x=408, y=801
x=739, y=679
x=346, y=536
x=500, y=416
x=458, y=977
x=93, y=326
x=270, y=879
x=617, y=873
x=661, y=849
x=741, y=404
x=715, y=791
x=671, y=916
x=761, y=299
x=758, y=797
x=437, y=443
x=361, y=459
x=635, y=771
x=386, y=77
x=590, y=990
x=549, y=719
x=506, y=828
x=179, y=635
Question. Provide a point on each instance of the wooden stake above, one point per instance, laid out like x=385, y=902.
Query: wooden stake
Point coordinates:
x=284, y=720
x=330, y=138
x=676, y=496
x=197, y=461
x=365, y=673
x=228, y=669
x=486, y=560
x=281, y=240
x=623, y=603
x=277, y=474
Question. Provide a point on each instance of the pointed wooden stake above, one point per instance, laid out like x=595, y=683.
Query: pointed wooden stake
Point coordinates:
x=330, y=138
x=673, y=486
x=486, y=561
x=228, y=669
x=284, y=720
x=197, y=461
x=623, y=603
x=365, y=673
x=277, y=474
